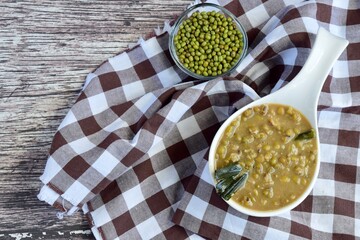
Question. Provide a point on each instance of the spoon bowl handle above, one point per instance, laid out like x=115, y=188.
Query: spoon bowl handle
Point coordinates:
x=304, y=90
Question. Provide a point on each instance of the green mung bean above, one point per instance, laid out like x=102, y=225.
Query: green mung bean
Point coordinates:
x=212, y=36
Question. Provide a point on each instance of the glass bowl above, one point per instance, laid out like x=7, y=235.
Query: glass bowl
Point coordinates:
x=207, y=7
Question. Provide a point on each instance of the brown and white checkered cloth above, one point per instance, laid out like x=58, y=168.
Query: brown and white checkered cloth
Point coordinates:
x=131, y=152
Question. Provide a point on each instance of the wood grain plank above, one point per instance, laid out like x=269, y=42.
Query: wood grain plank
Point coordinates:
x=46, y=50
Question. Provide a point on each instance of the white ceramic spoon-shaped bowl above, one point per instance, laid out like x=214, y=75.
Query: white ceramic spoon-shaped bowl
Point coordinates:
x=302, y=93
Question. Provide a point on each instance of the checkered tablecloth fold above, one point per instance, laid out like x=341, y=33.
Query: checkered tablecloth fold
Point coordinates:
x=132, y=151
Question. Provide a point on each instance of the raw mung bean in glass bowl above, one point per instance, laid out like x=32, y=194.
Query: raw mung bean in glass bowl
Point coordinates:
x=207, y=41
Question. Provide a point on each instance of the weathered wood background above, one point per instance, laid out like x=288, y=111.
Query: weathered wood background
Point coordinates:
x=46, y=49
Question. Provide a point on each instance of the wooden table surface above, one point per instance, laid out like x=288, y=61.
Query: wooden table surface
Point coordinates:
x=46, y=50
